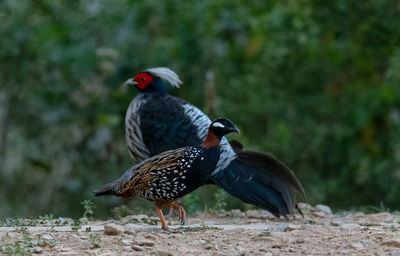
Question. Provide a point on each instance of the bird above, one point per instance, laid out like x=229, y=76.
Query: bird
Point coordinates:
x=172, y=174
x=157, y=121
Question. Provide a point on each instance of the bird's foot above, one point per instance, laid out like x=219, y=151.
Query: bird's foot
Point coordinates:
x=181, y=211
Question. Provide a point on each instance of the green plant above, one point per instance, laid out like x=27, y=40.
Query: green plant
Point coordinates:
x=221, y=198
x=17, y=248
x=76, y=225
x=94, y=241
x=88, y=208
x=47, y=217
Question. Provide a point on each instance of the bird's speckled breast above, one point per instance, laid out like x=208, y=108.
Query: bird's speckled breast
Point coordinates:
x=202, y=121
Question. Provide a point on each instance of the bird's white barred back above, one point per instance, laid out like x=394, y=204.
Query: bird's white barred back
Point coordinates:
x=200, y=120
x=134, y=139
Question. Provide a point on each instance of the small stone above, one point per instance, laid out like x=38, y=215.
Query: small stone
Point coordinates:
x=396, y=253
x=37, y=249
x=319, y=214
x=47, y=237
x=113, y=229
x=324, y=208
x=144, y=242
x=137, y=248
x=290, y=227
x=151, y=237
x=392, y=242
x=358, y=246
x=84, y=221
x=282, y=226
x=164, y=253
x=305, y=207
x=208, y=246
x=126, y=242
x=131, y=228
x=237, y=213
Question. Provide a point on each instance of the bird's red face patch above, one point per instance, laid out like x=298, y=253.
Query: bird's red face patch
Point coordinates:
x=143, y=79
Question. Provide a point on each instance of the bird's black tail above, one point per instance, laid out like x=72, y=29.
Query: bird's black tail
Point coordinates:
x=114, y=188
x=107, y=190
x=262, y=180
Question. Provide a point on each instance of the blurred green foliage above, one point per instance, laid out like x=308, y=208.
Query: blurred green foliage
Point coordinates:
x=316, y=83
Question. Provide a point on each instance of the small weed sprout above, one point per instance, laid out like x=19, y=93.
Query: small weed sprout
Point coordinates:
x=88, y=207
x=76, y=226
x=94, y=241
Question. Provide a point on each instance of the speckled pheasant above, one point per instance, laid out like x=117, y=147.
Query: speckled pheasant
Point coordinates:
x=156, y=122
x=172, y=174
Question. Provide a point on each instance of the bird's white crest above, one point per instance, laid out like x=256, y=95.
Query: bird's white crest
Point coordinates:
x=217, y=124
x=166, y=74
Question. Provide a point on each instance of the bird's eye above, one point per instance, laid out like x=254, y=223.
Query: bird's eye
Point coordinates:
x=143, y=79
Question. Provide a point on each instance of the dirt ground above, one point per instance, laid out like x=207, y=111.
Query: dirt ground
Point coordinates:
x=254, y=232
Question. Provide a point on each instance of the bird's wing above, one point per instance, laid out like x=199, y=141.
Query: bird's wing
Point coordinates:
x=139, y=177
x=152, y=168
x=165, y=125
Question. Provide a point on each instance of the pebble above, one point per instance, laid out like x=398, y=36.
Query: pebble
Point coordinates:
x=113, y=229
x=208, y=246
x=47, y=237
x=358, y=246
x=164, y=253
x=84, y=221
x=126, y=242
x=144, y=242
x=396, y=253
x=237, y=213
x=151, y=237
x=137, y=248
x=324, y=208
x=290, y=227
x=131, y=228
x=282, y=226
x=392, y=242
x=37, y=249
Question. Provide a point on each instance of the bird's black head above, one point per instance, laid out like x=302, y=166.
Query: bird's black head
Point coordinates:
x=222, y=126
x=151, y=80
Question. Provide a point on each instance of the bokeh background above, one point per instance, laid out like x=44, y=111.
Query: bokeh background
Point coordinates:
x=316, y=83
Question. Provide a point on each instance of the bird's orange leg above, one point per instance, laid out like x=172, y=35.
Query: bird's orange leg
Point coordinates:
x=182, y=213
x=162, y=219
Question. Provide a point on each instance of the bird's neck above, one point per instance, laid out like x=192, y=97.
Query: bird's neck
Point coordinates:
x=211, y=140
x=157, y=86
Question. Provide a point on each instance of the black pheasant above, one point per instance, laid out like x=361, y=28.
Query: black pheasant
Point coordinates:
x=156, y=121
x=172, y=174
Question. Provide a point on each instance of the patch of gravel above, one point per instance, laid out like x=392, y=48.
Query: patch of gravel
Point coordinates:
x=254, y=232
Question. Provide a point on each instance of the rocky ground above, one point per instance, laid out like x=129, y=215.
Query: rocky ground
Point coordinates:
x=254, y=232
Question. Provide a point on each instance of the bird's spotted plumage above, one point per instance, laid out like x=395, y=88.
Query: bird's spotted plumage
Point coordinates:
x=171, y=174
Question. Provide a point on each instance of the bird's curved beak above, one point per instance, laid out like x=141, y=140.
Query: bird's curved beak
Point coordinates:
x=232, y=128
x=235, y=129
x=130, y=82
